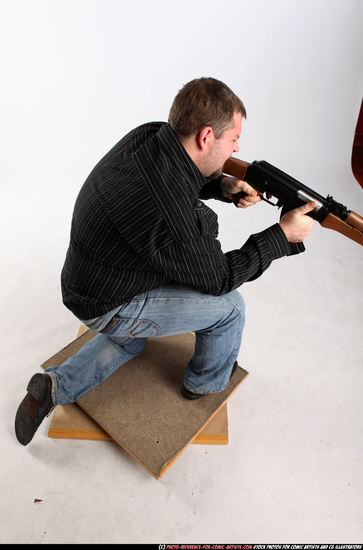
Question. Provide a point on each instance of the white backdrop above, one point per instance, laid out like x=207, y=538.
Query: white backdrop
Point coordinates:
x=76, y=75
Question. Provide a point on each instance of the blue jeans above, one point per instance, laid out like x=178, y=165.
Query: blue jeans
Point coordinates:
x=217, y=321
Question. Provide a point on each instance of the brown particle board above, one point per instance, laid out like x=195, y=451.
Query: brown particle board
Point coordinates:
x=140, y=406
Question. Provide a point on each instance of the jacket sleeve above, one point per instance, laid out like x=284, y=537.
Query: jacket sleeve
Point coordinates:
x=200, y=263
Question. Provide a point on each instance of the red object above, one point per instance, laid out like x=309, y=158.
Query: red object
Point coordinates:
x=357, y=151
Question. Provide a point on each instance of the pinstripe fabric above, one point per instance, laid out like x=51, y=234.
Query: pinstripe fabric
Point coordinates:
x=139, y=223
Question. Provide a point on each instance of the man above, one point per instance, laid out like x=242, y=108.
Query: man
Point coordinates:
x=144, y=259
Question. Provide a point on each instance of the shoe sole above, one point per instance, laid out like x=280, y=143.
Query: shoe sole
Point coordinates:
x=25, y=427
x=190, y=395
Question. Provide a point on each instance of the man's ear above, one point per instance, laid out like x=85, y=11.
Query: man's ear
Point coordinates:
x=204, y=137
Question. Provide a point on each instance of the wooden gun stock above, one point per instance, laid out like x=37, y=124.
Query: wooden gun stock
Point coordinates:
x=351, y=226
x=235, y=167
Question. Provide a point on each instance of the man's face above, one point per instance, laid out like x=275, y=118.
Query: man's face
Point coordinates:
x=221, y=149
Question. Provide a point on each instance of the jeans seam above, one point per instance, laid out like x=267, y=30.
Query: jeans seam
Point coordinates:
x=154, y=325
x=183, y=299
x=54, y=386
x=113, y=324
x=110, y=367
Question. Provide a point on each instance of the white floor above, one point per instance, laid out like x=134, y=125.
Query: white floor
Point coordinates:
x=292, y=471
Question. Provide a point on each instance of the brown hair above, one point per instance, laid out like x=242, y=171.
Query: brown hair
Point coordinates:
x=204, y=102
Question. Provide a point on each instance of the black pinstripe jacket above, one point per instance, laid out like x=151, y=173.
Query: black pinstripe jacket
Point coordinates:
x=139, y=223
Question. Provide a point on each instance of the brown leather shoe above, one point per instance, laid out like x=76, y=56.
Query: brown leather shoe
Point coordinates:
x=36, y=405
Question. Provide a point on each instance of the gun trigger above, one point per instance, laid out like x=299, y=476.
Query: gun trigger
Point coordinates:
x=270, y=202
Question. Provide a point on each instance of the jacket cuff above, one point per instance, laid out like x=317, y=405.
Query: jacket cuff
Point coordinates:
x=212, y=190
x=274, y=239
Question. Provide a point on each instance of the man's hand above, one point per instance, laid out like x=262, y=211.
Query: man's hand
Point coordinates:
x=231, y=186
x=296, y=225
